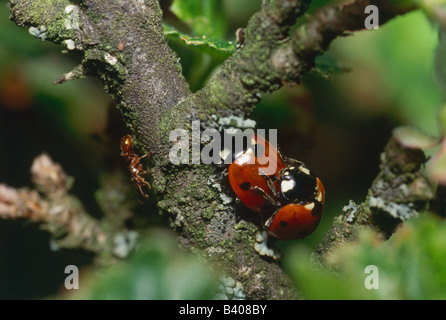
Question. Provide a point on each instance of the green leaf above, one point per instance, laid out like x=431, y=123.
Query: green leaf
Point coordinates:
x=326, y=66
x=321, y=284
x=158, y=270
x=204, y=17
x=440, y=61
x=400, y=81
x=410, y=265
x=437, y=166
x=435, y=9
x=415, y=138
x=220, y=48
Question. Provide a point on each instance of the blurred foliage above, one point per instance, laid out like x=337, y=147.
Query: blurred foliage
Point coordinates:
x=203, y=17
x=213, y=47
x=410, y=265
x=203, y=33
x=393, y=70
x=206, y=26
x=156, y=270
x=414, y=138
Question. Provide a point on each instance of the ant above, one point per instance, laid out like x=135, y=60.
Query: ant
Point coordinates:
x=135, y=165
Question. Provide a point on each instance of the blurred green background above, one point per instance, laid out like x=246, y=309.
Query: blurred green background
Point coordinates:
x=338, y=126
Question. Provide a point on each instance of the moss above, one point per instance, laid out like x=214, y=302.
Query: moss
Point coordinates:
x=48, y=13
x=245, y=232
x=198, y=234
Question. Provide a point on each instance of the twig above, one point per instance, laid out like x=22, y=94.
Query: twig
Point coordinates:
x=399, y=192
x=54, y=209
x=270, y=56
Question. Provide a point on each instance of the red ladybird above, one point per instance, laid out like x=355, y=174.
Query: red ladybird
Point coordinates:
x=297, y=220
x=293, y=194
x=252, y=188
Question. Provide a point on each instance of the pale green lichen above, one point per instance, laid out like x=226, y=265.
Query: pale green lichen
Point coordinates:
x=402, y=211
x=261, y=246
x=71, y=45
x=350, y=211
x=72, y=19
x=230, y=289
x=38, y=32
x=124, y=243
x=48, y=13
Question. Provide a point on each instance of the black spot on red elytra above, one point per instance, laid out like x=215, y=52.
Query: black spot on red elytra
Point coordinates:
x=283, y=224
x=245, y=186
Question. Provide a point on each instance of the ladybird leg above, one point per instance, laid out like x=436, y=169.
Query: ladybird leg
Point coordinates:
x=294, y=162
x=271, y=186
x=270, y=219
x=270, y=182
x=279, y=154
x=266, y=196
x=221, y=176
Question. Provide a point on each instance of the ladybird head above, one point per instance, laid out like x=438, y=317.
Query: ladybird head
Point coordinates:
x=298, y=184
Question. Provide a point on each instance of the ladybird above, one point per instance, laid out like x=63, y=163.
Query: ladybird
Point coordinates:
x=292, y=193
x=299, y=218
x=256, y=191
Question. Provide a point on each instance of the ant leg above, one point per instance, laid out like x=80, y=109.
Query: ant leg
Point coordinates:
x=148, y=185
x=223, y=175
x=266, y=196
x=142, y=192
x=146, y=155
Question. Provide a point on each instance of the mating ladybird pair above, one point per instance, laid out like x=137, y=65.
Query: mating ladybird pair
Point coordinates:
x=293, y=195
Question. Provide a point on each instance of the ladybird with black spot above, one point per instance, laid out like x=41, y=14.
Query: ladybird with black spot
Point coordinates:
x=254, y=189
x=292, y=194
x=302, y=205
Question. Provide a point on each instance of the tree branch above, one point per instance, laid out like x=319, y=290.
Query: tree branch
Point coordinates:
x=328, y=23
x=399, y=192
x=270, y=56
x=56, y=211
